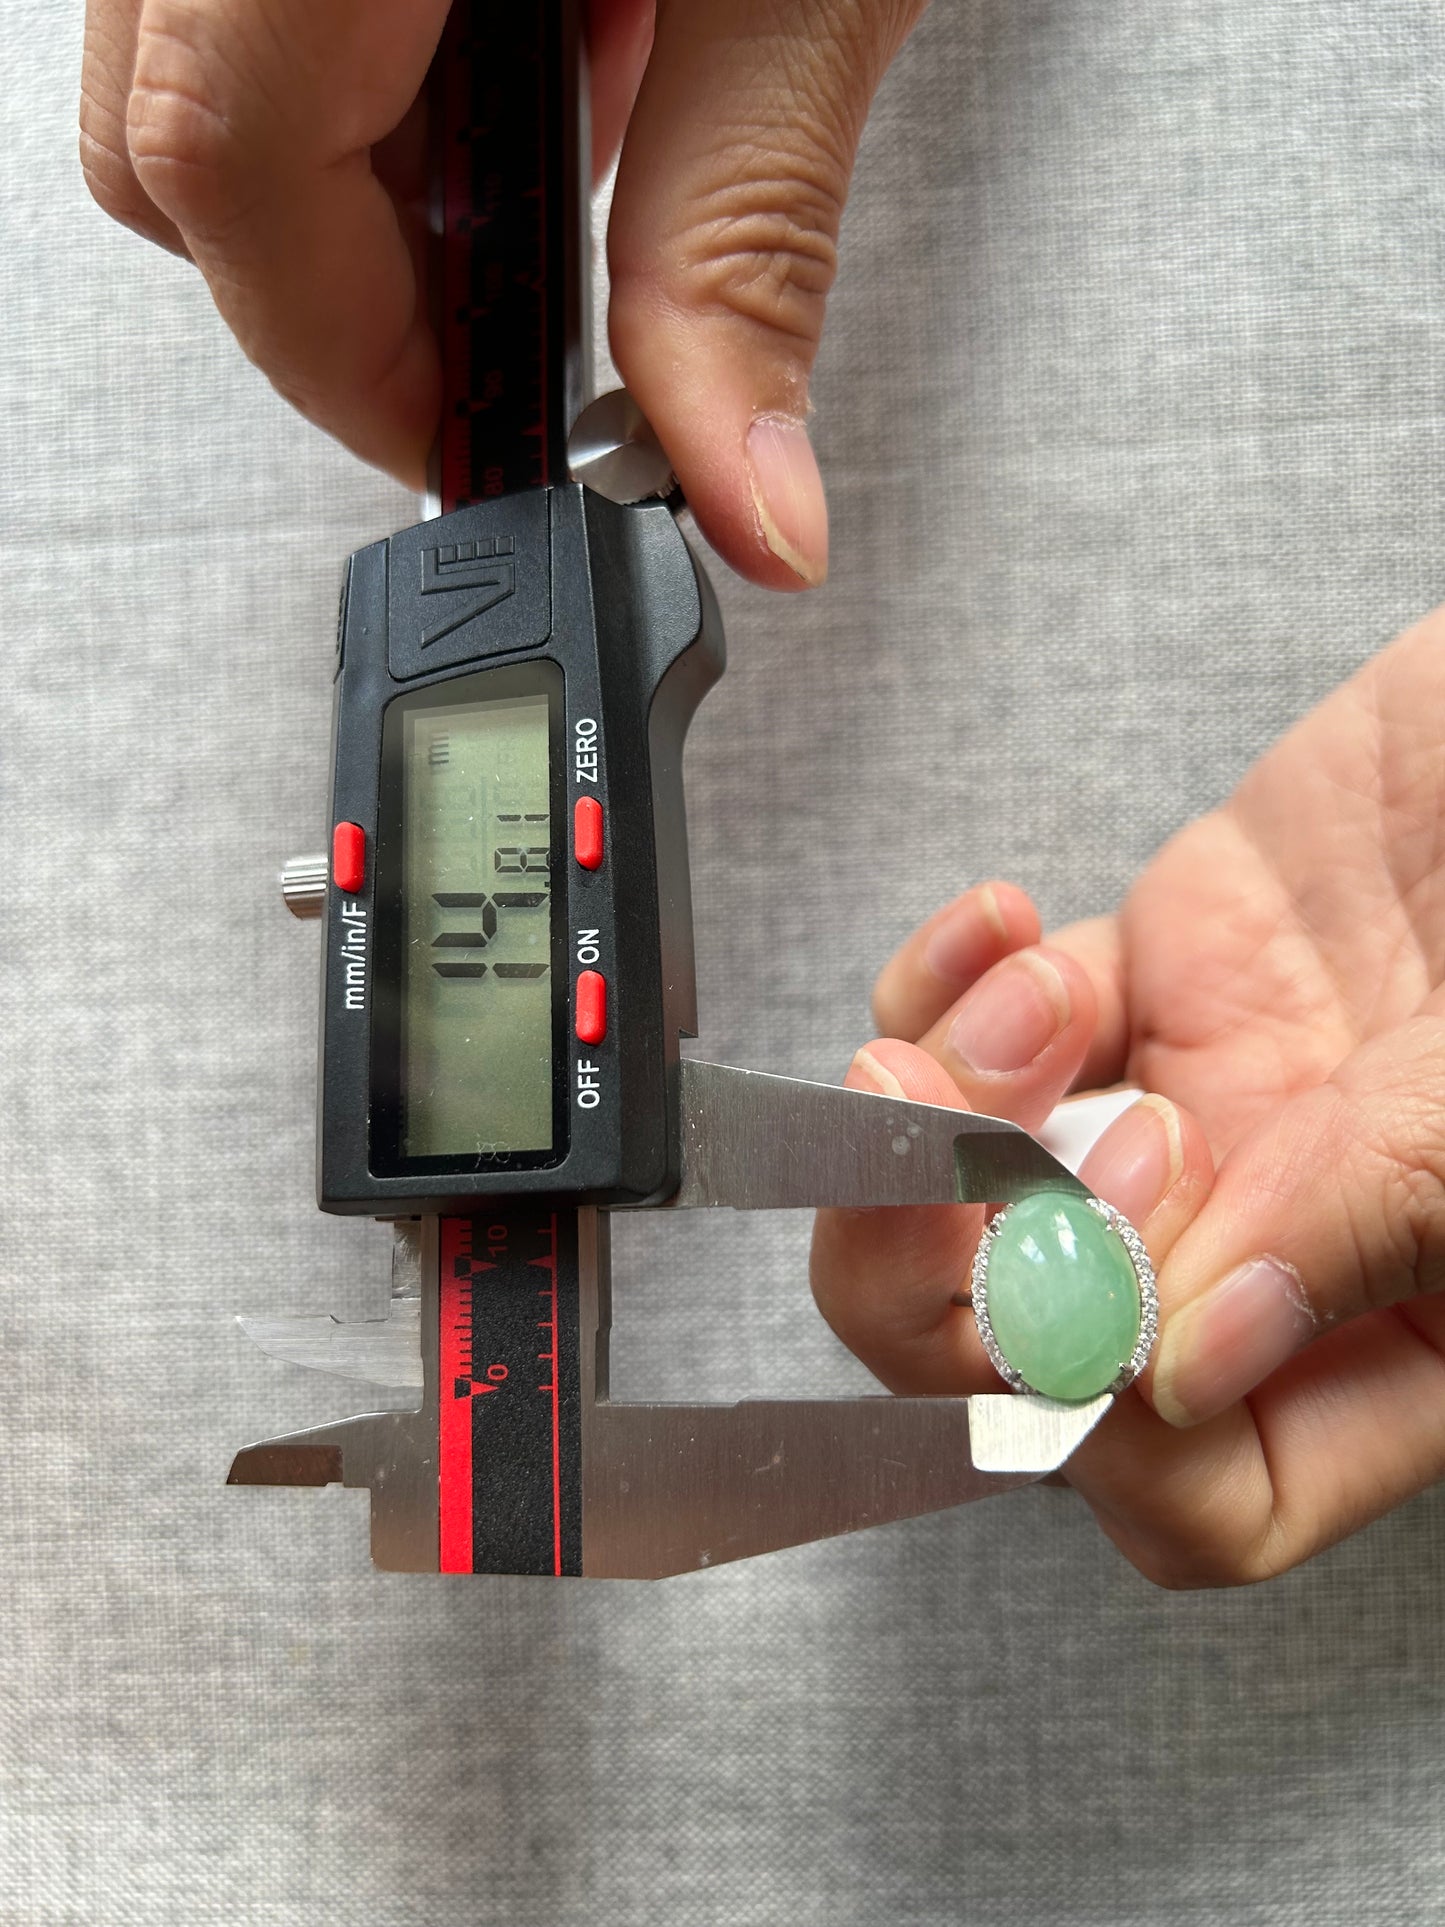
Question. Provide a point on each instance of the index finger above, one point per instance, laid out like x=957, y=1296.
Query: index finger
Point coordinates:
x=890, y=1280
x=251, y=128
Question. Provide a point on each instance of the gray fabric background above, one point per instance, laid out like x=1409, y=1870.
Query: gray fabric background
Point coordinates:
x=1131, y=409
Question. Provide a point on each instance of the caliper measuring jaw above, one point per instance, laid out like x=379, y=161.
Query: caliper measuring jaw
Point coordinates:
x=662, y=1488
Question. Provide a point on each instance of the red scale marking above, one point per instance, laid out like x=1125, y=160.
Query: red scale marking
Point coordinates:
x=454, y=1415
x=456, y=1331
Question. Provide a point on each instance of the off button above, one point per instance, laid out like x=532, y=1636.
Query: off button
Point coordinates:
x=591, y=1007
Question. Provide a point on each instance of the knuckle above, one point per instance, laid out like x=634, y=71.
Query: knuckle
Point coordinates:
x=1207, y=1565
x=1398, y=1219
x=1227, y=1531
x=107, y=174
x=1273, y=1552
x=1178, y=1566
x=765, y=252
x=1225, y=1553
x=1409, y=1204
x=104, y=162
x=886, y=1002
x=1172, y=1575
x=182, y=141
x=839, y=48
x=758, y=245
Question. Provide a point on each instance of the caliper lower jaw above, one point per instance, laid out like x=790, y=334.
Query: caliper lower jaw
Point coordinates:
x=664, y=1488
x=393, y=1455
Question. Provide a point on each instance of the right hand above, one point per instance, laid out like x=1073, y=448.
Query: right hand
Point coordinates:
x=1276, y=978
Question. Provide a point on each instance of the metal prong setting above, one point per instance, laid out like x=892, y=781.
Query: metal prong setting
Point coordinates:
x=1143, y=1274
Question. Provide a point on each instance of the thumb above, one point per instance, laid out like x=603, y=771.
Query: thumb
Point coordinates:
x=722, y=250
x=1331, y=1208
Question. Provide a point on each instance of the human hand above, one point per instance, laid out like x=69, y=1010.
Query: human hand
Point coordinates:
x=280, y=145
x=1276, y=981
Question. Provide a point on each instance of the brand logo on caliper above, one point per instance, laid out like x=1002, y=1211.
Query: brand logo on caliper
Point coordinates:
x=353, y=955
x=484, y=566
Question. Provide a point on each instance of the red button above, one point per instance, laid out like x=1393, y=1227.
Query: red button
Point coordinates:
x=587, y=832
x=591, y=1007
x=348, y=858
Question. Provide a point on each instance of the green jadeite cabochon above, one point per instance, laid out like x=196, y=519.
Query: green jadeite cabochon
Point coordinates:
x=1063, y=1299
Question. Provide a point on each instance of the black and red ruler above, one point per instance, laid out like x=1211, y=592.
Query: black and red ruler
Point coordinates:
x=509, y=1397
x=509, y=265
x=509, y=258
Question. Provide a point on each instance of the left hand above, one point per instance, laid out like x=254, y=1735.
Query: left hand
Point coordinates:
x=281, y=145
x=1276, y=981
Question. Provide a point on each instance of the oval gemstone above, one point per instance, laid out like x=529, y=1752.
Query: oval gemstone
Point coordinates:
x=1062, y=1296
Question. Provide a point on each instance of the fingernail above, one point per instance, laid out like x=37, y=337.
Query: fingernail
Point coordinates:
x=1229, y=1339
x=1011, y=1015
x=865, y=1073
x=967, y=939
x=1139, y=1159
x=788, y=495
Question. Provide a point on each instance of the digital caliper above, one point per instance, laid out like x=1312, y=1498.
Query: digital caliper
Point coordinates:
x=507, y=963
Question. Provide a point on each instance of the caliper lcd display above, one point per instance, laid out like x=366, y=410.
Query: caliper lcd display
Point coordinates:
x=466, y=1017
x=477, y=1003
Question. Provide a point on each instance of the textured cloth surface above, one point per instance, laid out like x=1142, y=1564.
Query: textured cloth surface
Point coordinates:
x=1131, y=410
